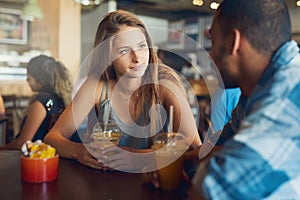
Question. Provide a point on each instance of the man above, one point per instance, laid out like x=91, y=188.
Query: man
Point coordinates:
x=259, y=157
x=260, y=146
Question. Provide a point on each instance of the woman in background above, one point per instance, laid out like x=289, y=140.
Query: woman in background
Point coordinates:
x=51, y=80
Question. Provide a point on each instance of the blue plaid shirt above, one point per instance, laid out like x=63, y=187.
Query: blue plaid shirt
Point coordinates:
x=260, y=157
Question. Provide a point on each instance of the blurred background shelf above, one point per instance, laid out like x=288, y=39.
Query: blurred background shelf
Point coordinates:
x=12, y=73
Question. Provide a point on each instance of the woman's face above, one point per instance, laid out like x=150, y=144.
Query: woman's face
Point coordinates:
x=130, y=52
x=34, y=85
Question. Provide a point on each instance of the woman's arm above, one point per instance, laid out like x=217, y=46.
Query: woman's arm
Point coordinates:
x=69, y=121
x=35, y=117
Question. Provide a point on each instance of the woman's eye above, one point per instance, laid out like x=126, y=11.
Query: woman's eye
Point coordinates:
x=142, y=46
x=124, y=51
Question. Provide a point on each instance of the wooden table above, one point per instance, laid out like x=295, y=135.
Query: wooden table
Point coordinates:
x=76, y=181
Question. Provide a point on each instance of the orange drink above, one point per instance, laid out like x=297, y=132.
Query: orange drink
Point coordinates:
x=169, y=162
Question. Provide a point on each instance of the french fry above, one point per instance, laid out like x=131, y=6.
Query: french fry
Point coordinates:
x=38, y=150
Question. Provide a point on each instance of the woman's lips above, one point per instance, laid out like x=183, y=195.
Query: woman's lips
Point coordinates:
x=137, y=67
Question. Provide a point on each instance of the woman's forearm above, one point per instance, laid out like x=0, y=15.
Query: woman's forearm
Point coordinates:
x=65, y=147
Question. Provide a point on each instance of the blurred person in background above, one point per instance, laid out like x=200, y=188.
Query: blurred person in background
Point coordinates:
x=51, y=81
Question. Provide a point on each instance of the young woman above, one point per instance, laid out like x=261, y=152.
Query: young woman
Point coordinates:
x=50, y=79
x=126, y=81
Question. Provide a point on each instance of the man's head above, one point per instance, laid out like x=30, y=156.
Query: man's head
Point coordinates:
x=244, y=30
x=265, y=23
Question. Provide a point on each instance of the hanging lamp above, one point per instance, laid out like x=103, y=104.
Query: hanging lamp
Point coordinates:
x=31, y=11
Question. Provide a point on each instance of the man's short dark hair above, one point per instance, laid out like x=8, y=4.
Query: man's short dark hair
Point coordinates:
x=265, y=23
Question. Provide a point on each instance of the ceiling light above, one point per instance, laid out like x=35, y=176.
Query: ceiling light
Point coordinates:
x=198, y=2
x=88, y=2
x=31, y=11
x=298, y=3
x=214, y=5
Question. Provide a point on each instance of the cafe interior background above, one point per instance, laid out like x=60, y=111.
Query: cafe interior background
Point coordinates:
x=65, y=29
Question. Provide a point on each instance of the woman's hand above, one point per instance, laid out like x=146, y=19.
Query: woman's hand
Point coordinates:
x=86, y=158
x=125, y=158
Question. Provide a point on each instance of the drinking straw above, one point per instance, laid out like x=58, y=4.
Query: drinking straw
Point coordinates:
x=170, y=128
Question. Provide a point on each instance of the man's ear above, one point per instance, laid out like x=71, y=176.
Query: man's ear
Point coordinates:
x=236, y=41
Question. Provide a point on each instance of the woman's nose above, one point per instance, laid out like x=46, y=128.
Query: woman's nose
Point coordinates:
x=135, y=55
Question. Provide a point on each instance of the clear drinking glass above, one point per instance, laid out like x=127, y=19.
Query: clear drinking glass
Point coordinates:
x=106, y=133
